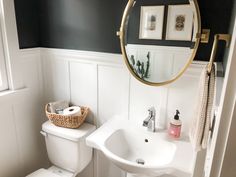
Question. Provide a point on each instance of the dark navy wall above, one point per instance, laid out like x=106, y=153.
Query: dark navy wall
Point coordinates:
x=92, y=24
x=216, y=15
x=27, y=18
x=81, y=24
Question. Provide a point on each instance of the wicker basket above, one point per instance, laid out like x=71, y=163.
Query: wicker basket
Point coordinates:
x=67, y=121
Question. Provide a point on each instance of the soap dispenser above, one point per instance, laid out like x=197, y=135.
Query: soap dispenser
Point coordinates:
x=175, y=126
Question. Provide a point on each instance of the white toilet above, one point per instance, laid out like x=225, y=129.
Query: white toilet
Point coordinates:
x=66, y=150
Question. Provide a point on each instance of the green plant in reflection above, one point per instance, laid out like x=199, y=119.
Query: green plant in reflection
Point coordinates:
x=140, y=68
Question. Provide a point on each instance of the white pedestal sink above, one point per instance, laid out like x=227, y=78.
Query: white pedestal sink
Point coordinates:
x=140, y=152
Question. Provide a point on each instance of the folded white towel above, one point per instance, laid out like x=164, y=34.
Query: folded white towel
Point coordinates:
x=199, y=131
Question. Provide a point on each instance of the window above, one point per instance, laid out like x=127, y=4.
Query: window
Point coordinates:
x=3, y=72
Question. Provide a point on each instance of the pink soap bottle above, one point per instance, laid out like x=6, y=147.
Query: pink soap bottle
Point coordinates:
x=175, y=126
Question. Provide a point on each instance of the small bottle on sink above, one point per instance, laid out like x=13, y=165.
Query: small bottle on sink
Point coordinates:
x=175, y=126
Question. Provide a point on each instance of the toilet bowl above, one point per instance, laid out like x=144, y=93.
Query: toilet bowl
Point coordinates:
x=66, y=149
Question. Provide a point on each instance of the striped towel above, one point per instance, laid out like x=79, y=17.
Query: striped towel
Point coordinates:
x=199, y=131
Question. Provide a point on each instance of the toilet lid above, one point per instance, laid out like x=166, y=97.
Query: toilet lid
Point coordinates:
x=43, y=173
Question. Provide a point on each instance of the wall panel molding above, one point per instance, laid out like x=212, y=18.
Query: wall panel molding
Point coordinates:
x=22, y=116
x=55, y=74
x=112, y=90
x=84, y=56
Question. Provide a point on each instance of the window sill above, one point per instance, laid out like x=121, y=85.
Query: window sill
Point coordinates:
x=6, y=93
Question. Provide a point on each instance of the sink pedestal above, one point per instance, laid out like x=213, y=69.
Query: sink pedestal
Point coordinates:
x=132, y=175
x=138, y=151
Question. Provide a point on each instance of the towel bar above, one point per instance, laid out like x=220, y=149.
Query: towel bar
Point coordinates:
x=219, y=67
x=217, y=38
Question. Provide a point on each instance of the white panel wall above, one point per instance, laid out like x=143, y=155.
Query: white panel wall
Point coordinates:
x=97, y=80
x=113, y=98
x=182, y=95
x=113, y=86
x=56, y=79
x=9, y=153
x=22, y=149
x=90, y=85
x=102, y=82
x=84, y=93
x=165, y=62
x=142, y=97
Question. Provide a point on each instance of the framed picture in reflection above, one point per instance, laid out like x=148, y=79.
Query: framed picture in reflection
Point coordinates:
x=179, y=22
x=151, y=22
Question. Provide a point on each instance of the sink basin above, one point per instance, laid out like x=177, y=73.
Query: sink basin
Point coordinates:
x=134, y=150
x=137, y=151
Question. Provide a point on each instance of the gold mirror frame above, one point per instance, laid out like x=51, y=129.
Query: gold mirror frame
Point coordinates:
x=122, y=34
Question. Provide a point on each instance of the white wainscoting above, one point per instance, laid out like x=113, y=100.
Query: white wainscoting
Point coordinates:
x=165, y=61
x=102, y=82
x=22, y=149
x=98, y=80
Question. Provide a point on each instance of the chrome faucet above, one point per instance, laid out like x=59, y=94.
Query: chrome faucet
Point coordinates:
x=149, y=122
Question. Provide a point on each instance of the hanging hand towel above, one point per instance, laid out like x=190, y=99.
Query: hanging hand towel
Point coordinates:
x=199, y=131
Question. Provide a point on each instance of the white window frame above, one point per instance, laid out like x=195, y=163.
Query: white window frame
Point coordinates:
x=3, y=70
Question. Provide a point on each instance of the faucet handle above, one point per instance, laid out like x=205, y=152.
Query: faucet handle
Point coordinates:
x=152, y=111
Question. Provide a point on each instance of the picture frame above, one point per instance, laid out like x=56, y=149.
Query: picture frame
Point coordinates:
x=180, y=22
x=151, y=22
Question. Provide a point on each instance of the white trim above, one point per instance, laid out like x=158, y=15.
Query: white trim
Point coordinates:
x=10, y=92
x=3, y=71
x=11, y=45
x=3, y=75
x=84, y=56
x=12, y=53
x=224, y=118
x=30, y=51
x=104, y=58
x=157, y=47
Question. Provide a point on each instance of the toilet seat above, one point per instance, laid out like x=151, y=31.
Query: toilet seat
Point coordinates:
x=43, y=173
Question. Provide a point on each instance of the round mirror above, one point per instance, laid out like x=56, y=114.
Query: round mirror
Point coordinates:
x=159, y=38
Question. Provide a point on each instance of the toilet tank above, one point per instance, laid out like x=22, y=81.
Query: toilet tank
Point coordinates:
x=66, y=148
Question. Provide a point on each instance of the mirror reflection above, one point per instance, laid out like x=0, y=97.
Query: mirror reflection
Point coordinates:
x=160, y=38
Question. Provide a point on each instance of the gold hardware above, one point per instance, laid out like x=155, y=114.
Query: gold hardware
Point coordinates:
x=205, y=35
x=198, y=35
x=217, y=38
x=118, y=33
x=226, y=38
x=127, y=10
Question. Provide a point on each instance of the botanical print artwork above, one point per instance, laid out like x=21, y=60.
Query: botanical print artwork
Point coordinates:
x=151, y=22
x=179, y=22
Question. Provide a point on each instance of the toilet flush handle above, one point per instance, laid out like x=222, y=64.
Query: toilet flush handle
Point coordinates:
x=43, y=133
